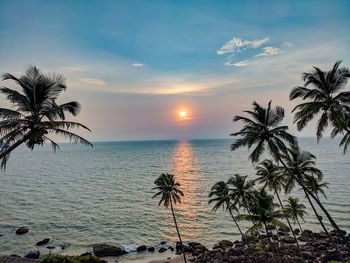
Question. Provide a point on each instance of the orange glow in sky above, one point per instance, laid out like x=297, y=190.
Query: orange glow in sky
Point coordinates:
x=183, y=113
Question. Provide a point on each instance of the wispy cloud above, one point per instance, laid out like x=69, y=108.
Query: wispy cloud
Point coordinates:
x=269, y=51
x=95, y=82
x=137, y=65
x=238, y=45
x=287, y=44
x=238, y=64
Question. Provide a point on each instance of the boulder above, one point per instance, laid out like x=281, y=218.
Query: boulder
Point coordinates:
x=271, y=227
x=22, y=230
x=151, y=249
x=64, y=245
x=199, y=248
x=307, y=232
x=162, y=249
x=225, y=243
x=141, y=248
x=33, y=254
x=304, y=238
x=307, y=255
x=43, y=242
x=296, y=231
x=163, y=242
x=171, y=248
x=86, y=254
x=331, y=255
x=288, y=240
x=104, y=250
x=323, y=235
x=284, y=229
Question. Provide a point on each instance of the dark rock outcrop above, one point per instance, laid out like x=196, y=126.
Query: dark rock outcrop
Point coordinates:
x=43, y=242
x=22, y=230
x=33, y=254
x=141, y=248
x=105, y=250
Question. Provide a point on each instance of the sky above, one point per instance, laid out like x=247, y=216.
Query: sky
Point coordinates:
x=134, y=65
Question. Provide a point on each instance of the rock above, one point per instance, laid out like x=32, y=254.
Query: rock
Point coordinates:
x=330, y=256
x=141, y=248
x=307, y=255
x=22, y=230
x=322, y=248
x=151, y=249
x=162, y=249
x=323, y=235
x=171, y=248
x=64, y=245
x=86, y=254
x=306, y=232
x=199, y=248
x=104, y=250
x=50, y=247
x=282, y=233
x=225, y=243
x=163, y=242
x=304, y=238
x=271, y=227
x=296, y=231
x=43, y=242
x=33, y=254
x=288, y=240
x=284, y=229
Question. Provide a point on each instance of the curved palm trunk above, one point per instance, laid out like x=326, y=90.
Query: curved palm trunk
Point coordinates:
x=340, y=233
x=290, y=226
x=177, y=230
x=301, y=230
x=240, y=231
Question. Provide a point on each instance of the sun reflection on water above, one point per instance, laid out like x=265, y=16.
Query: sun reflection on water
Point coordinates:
x=185, y=168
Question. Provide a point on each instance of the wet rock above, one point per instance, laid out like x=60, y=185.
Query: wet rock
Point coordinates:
x=331, y=255
x=225, y=243
x=163, y=242
x=162, y=249
x=171, y=248
x=50, y=247
x=43, y=242
x=151, y=249
x=304, y=238
x=288, y=240
x=284, y=229
x=64, y=245
x=33, y=254
x=22, y=230
x=141, y=248
x=86, y=254
x=306, y=232
x=296, y=231
x=104, y=250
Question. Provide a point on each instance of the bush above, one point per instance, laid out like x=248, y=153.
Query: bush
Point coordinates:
x=70, y=259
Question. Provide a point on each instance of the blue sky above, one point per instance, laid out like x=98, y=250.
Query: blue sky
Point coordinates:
x=134, y=64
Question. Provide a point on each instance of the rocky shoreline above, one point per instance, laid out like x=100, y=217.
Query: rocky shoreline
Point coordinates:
x=313, y=247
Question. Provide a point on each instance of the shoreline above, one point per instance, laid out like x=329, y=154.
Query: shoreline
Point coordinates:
x=313, y=246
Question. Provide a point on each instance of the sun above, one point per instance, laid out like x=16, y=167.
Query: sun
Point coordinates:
x=183, y=114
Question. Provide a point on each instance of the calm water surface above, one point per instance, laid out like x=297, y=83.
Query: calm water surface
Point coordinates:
x=84, y=196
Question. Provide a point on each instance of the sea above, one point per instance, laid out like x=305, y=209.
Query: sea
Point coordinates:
x=81, y=196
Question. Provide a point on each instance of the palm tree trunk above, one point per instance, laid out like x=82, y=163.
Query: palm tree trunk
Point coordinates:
x=340, y=233
x=177, y=229
x=301, y=230
x=290, y=226
x=268, y=238
x=240, y=231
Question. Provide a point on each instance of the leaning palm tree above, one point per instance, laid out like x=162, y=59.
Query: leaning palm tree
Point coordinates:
x=325, y=97
x=169, y=192
x=316, y=186
x=262, y=130
x=35, y=113
x=295, y=210
x=271, y=177
x=219, y=195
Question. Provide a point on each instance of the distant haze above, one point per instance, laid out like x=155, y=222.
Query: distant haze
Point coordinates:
x=134, y=65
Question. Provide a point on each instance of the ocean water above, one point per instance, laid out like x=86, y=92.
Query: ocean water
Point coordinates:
x=84, y=196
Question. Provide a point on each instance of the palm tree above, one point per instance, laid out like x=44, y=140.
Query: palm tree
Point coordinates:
x=220, y=197
x=262, y=212
x=315, y=185
x=324, y=98
x=302, y=164
x=35, y=112
x=263, y=131
x=295, y=210
x=168, y=189
x=241, y=190
x=271, y=177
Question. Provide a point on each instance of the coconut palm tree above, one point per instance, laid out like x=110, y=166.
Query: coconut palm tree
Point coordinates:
x=316, y=185
x=241, y=190
x=271, y=177
x=170, y=195
x=219, y=195
x=325, y=97
x=302, y=164
x=295, y=210
x=263, y=213
x=262, y=131
x=35, y=113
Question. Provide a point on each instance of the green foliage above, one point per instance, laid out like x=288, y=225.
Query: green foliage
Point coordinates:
x=70, y=259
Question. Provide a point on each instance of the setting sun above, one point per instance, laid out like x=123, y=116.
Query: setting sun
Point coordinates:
x=183, y=113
